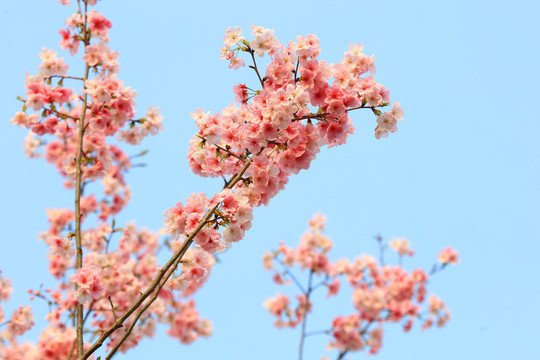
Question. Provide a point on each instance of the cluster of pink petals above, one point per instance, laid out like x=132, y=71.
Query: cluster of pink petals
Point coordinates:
x=110, y=108
x=279, y=306
x=88, y=284
x=119, y=262
x=21, y=321
x=276, y=131
x=346, y=333
x=401, y=246
x=438, y=312
x=271, y=133
x=380, y=293
x=234, y=213
x=5, y=293
x=448, y=256
x=99, y=25
x=186, y=325
x=5, y=288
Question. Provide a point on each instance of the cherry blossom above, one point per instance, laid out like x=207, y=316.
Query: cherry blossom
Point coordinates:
x=381, y=294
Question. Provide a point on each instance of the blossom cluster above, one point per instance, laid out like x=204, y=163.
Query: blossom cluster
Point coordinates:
x=256, y=144
x=380, y=293
x=119, y=261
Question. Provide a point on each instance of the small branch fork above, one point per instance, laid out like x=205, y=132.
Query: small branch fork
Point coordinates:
x=254, y=66
x=221, y=148
x=294, y=279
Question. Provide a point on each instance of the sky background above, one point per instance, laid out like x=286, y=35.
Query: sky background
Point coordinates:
x=463, y=170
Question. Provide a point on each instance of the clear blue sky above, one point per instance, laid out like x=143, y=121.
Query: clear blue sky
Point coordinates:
x=463, y=170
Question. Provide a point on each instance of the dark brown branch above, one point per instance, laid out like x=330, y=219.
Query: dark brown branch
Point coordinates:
x=112, y=308
x=60, y=114
x=223, y=149
x=142, y=311
x=65, y=77
x=254, y=67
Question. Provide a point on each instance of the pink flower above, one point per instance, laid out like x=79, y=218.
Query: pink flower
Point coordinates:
x=333, y=288
x=5, y=288
x=21, y=321
x=99, y=25
x=233, y=36
x=278, y=305
x=375, y=340
x=88, y=281
x=236, y=63
x=448, y=256
x=401, y=245
x=397, y=111
x=346, y=333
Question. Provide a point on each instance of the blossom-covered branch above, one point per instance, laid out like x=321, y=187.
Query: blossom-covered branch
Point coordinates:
x=381, y=293
x=255, y=146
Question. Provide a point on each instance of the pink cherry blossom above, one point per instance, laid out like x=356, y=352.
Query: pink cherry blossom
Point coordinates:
x=448, y=256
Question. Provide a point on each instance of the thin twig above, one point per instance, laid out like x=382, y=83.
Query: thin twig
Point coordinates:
x=435, y=269
x=254, y=67
x=65, y=77
x=319, y=332
x=224, y=149
x=84, y=321
x=296, y=71
x=304, y=320
x=323, y=282
x=59, y=113
x=112, y=308
x=381, y=248
x=141, y=311
x=294, y=279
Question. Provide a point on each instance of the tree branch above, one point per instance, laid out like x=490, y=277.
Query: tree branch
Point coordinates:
x=78, y=191
x=254, y=66
x=175, y=259
x=304, y=320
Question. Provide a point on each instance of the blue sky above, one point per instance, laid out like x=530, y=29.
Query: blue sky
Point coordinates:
x=463, y=170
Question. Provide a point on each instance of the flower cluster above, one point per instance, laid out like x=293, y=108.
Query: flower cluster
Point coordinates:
x=256, y=144
x=87, y=280
x=119, y=262
x=5, y=293
x=108, y=112
x=380, y=293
